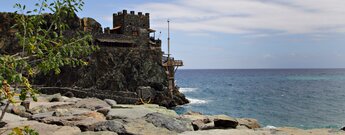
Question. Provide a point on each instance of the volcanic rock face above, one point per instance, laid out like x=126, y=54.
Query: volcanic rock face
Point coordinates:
x=124, y=74
x=119, y=74
x=8, y=42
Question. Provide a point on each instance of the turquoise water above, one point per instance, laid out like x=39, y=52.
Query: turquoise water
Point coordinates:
x=304, y=98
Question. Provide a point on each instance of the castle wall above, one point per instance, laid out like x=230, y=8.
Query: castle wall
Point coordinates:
x=130, y=22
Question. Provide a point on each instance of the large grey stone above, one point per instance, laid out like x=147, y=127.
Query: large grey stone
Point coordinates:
x=137, y=111
x=9, y=118
x=111, y=102
x=83, y=123
x=168, y=122
x=18, y=109
x=142, y=127
x=42, y=107
x=110, y=125
x=98, y=133
x=92, y=103
x=41, y=128
x=127, y=113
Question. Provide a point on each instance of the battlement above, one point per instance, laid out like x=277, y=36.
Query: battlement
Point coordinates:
x=129, y=23
x=125, y=12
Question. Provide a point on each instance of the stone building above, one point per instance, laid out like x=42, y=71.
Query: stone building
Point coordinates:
x=129, y=30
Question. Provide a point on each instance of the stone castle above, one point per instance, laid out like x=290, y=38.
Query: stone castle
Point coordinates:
x=128, y=67
x=129, y=30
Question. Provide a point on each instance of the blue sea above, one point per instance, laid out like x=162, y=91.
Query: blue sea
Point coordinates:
x=303, y=98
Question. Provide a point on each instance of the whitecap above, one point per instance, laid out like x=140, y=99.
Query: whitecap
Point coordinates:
x=270, y=127
x=197, y=101
x=186, y=90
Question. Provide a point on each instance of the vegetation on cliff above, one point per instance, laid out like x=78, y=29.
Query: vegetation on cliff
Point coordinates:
x=44, y=46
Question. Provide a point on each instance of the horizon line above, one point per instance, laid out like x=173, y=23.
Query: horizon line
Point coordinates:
x=250, y=68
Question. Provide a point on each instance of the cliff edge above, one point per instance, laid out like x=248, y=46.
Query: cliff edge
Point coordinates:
x=126, y=68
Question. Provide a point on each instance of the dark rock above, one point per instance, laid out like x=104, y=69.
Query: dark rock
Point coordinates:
x=171, y=123
x=145, y=92
x=223, y=121
x=113, y=72
x=2, y=124
x=343, y=129
x=69, y=94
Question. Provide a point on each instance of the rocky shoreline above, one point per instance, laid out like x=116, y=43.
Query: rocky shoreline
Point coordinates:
x=61, y=115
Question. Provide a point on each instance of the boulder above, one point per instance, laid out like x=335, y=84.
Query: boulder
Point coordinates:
x=111, y=102
x=142, y=127
x=42, y=107
x=61, y=112
x=9, y=118
x=224, y=121
x=40, y=116
x=104, y=111
x=127, y=113
x=94, y=115
x=55, y=98
x=199, y=121
x=169, y=122
x=202, y=125
x=73, y=100
x=18, y=109
x=82, y=122
x=98, y=133
x=69, y=94
x=41, y=128
x=110, y=125
x=249, y=123
x=92, y=103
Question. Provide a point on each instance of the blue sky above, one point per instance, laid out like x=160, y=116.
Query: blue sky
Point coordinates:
x=239, y=33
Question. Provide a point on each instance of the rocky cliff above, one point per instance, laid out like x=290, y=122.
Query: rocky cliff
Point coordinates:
x=127, y=75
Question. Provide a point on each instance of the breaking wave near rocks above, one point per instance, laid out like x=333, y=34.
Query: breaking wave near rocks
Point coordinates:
x=187, y=90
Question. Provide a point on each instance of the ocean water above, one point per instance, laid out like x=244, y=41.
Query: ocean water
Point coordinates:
x=304, y=98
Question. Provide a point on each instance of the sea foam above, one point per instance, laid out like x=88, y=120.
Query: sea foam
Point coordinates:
x=186, y=90
x=197, y=101
x=270, y=127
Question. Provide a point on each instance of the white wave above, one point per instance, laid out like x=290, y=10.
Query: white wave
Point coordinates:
x=197, y=101
x=270, y=127
x=186, y=90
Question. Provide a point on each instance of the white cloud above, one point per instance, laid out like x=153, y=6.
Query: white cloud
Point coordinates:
x=250, y=16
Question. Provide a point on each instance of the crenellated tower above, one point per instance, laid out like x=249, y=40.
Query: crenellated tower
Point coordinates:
x=130, y=23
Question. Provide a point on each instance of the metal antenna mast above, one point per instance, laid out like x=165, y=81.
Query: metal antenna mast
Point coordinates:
x=168, y=39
